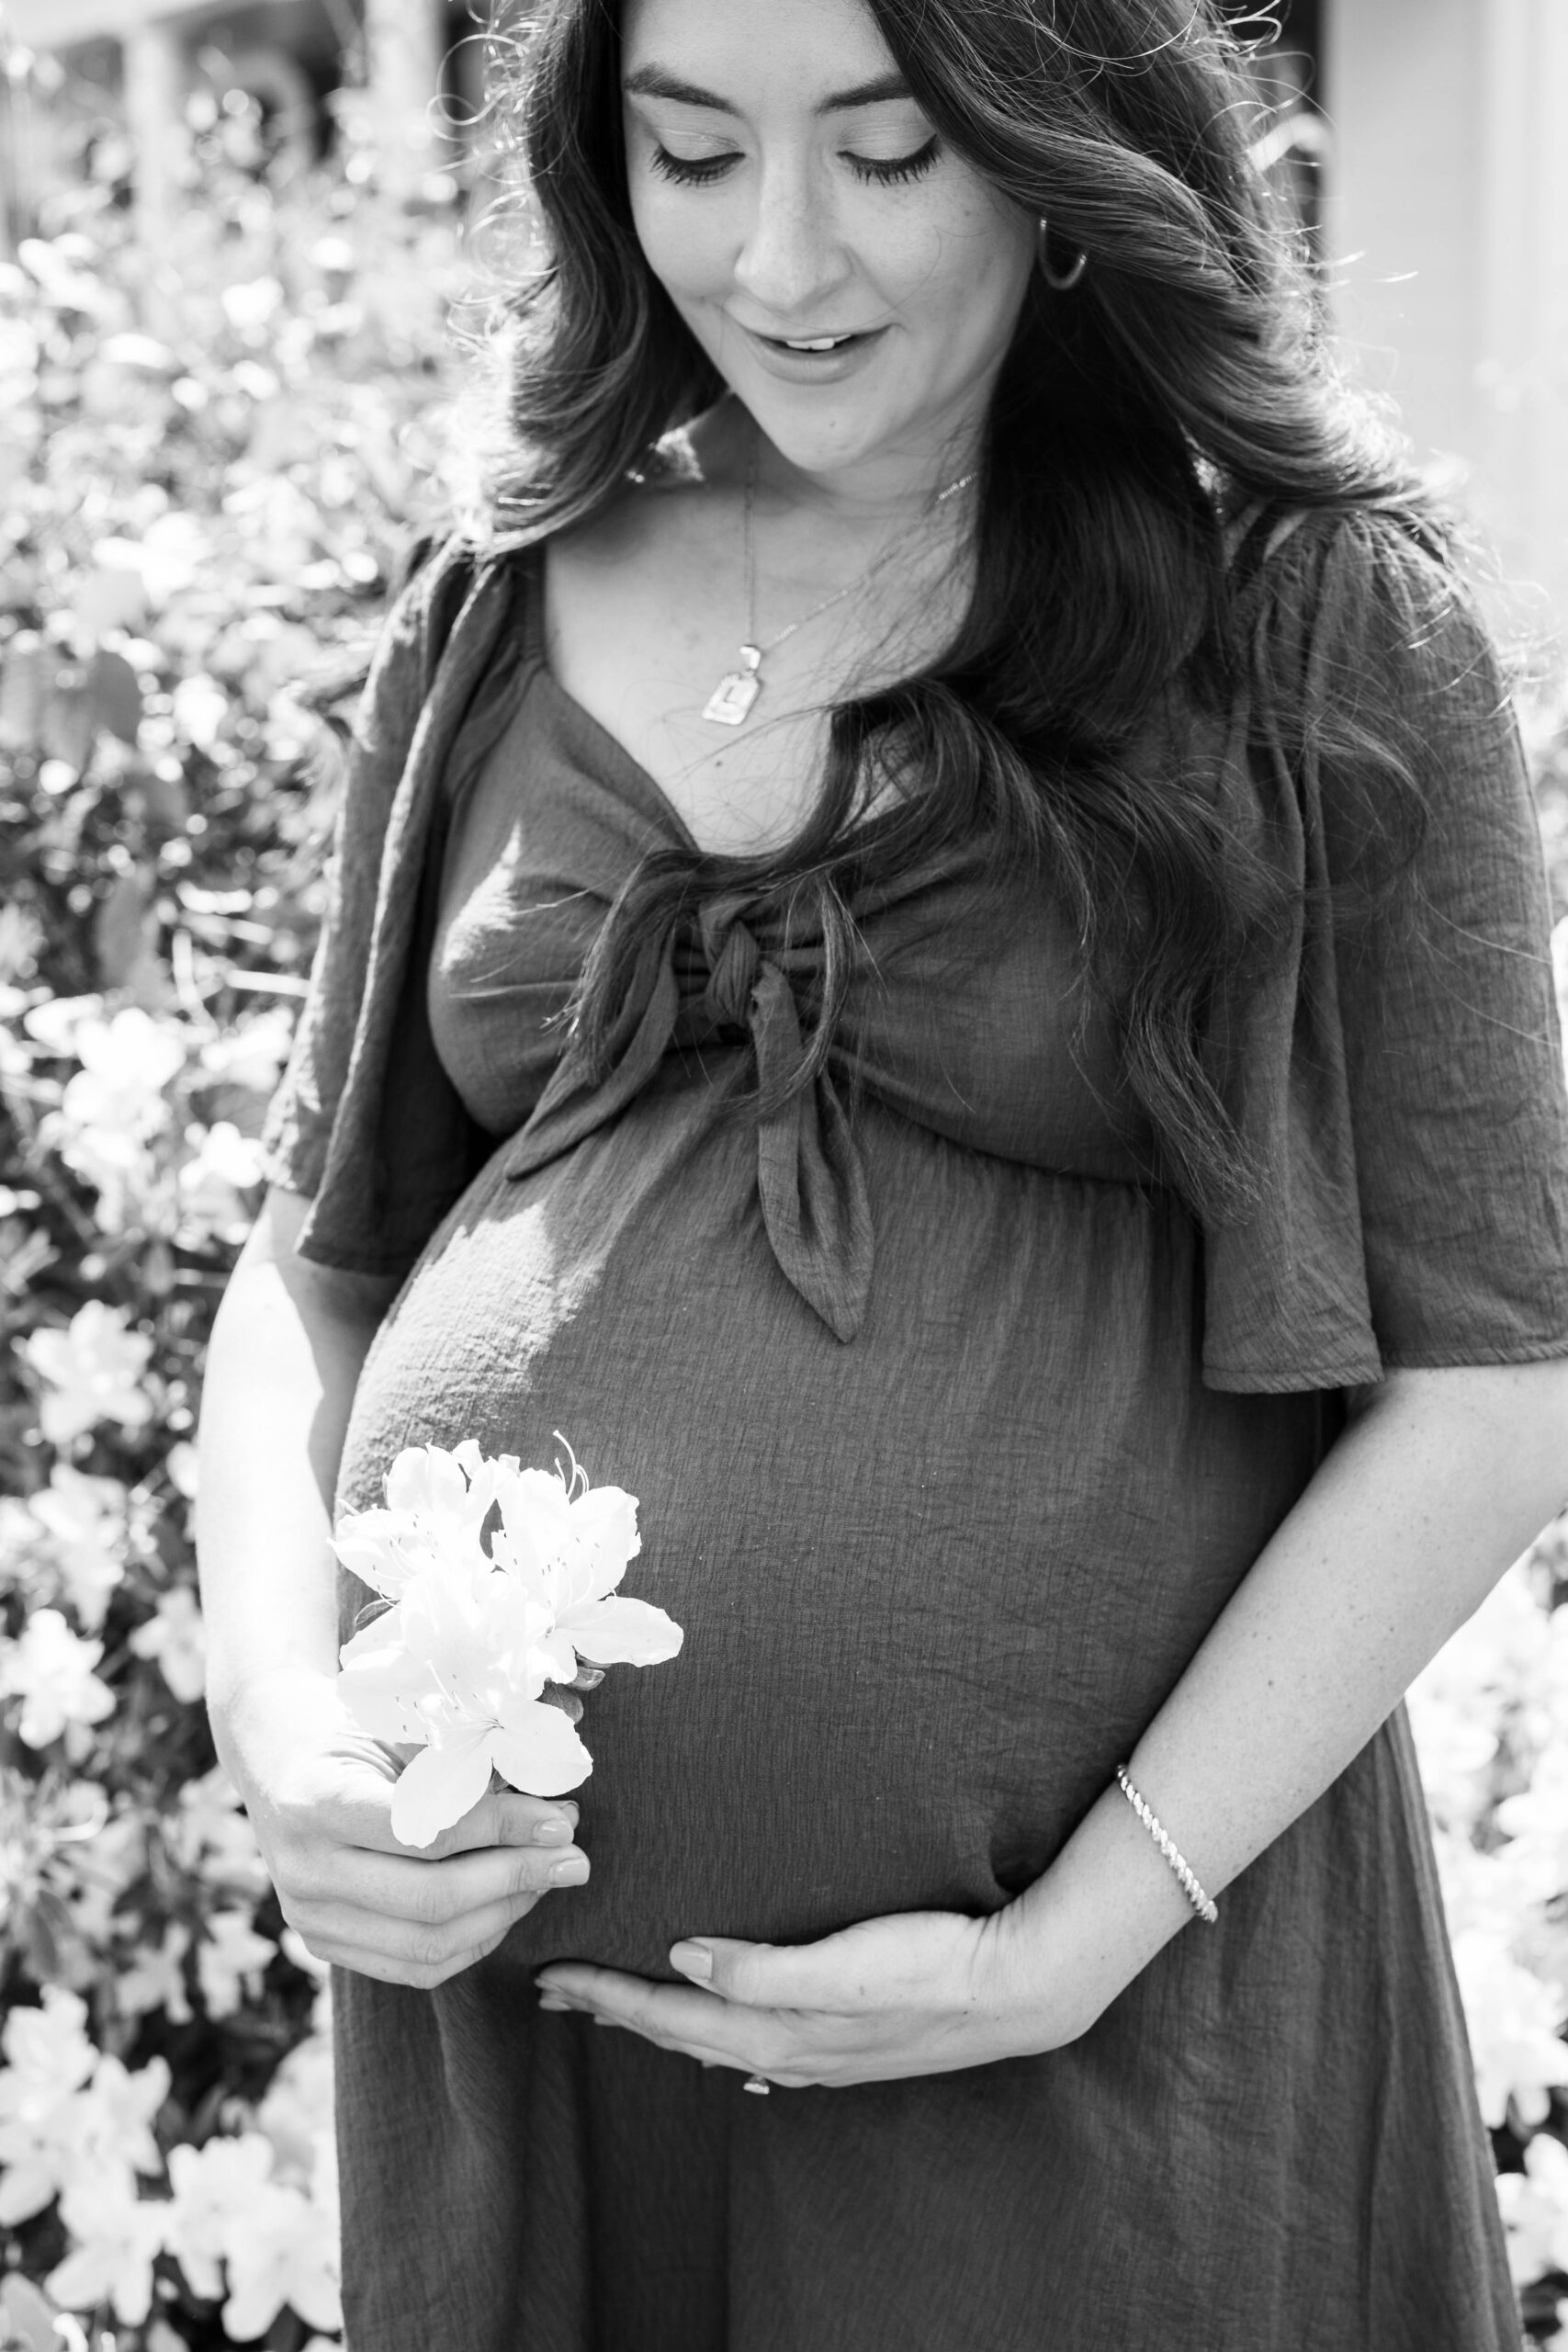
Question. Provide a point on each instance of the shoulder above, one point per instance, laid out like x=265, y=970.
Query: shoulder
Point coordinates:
x=432, y=587
x=1364, y=622
x=1369, y=585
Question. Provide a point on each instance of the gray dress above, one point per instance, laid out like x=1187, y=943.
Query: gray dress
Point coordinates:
x=953, y=1433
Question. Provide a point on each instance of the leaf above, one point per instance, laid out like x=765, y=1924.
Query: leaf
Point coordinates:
x=27, y=671
x=69, y=726
x=125, y=929
x=117, y=695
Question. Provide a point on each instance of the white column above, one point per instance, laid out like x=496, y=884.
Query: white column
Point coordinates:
x=154, y=67
x=405, y=41
x=1523, y=359
x=1448, y=244
x=1402, y=242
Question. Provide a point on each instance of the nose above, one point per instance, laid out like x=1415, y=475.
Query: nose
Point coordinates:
x=794, y=254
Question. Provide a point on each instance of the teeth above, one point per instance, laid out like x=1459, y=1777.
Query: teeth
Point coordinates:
x=822, y=343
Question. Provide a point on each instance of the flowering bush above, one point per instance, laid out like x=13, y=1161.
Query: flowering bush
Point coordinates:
x=209, y=461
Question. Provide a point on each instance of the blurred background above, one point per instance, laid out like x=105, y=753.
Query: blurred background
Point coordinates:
x=244, y=255
x=1420, y=139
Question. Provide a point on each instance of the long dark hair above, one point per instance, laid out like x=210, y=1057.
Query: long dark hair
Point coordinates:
x=1184, y=383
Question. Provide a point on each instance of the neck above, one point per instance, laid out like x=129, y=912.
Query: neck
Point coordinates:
x=891, y=488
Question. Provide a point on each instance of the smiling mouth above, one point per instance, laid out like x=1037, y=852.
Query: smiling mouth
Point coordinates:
x=816, y=342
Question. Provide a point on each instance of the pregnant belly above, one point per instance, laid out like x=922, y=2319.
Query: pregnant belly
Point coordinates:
x=932, y=1583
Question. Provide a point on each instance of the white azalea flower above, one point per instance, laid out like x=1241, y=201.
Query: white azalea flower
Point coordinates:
x=55, y=1022
x=211, y=1836
x=176, y=1638
x=457, y=1667
x=296, y=2112
x=50, y=1669
x=216, y=2190
x=118, y=2238
x=127, y=1065
x=92, y=1372
x=118, y=2110
x=225, y=1166
x=286, y=2257
x=253, y=1055
x=437, y=1506
x=84, y=1520
x=1513, y=2021
x=48, y=2057
x=229, y=1962
x=155, y=1979
x=181, y=1463
x=571, y=1548
x=1537, y=1820
x=1535, y=2211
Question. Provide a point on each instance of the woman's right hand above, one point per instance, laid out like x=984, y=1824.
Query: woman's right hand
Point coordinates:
x=318, y=1793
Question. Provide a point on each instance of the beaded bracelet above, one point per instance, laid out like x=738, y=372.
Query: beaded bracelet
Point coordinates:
x=1206, y=1910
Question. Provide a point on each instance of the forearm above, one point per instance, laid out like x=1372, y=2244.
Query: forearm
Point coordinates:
x=1430, y=1494
x=287, y=1352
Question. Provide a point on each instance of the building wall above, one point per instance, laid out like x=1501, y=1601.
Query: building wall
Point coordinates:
x=1446, y=238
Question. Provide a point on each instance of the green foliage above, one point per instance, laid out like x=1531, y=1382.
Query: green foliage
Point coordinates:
x=212, y=458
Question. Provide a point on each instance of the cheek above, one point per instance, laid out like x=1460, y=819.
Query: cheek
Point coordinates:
x=965, y=275
x=688, y=247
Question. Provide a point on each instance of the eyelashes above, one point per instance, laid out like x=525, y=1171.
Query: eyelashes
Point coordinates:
x=892, y=172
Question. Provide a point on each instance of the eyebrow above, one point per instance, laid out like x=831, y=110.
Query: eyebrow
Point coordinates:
x=653, y=82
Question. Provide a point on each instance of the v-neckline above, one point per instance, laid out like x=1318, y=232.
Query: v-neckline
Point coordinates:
x=580, y=717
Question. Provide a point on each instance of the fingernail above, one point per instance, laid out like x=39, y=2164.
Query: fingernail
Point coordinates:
x=553, y=1833
x=692, y=1959
x=554, y=2001
x=571, y=1872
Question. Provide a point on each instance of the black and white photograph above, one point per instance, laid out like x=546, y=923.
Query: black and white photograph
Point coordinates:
x=784, y=1176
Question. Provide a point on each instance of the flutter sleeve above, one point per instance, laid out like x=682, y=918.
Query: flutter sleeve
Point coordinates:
x=365, y=1120
x=1398, y=1075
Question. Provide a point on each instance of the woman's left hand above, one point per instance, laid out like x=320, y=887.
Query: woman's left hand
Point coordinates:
x=924, y=1993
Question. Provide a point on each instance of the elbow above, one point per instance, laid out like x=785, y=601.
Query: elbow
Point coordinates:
x=1510, y=1421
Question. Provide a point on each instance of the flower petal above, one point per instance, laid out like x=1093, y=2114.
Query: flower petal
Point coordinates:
x=384, y=1715
x=622, y=1632
x=605, y=1537
x=441, y=1784
x=556, y=1657
x=538, y=1752
x=367, y=1544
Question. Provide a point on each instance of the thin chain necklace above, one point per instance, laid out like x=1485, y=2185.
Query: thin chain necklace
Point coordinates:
x=732, y=700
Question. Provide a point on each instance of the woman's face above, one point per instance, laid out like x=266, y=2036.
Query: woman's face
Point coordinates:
x=854, y=281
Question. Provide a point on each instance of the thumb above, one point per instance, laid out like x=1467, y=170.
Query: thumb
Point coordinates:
x=766, y=1976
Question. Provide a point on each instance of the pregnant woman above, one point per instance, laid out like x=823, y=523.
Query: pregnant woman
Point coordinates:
x=936, y=955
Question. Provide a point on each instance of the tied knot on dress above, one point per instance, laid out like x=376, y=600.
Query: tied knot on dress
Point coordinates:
x=705, y=976
x=730, y=963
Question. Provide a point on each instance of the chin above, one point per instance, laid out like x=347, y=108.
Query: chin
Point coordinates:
x=811, y=435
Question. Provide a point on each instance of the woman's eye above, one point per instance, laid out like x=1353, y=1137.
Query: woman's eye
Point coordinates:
x=881, y=171
x=888, y=170
x=691, y=171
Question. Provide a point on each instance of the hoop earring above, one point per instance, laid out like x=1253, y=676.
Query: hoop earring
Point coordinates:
x=1060, y=281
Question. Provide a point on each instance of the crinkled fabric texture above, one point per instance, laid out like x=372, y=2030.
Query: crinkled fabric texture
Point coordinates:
x=953, y=1434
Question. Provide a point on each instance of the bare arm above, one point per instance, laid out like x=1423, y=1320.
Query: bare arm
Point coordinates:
x=287, y=1348
x=287, y=1352
x=1439, y=1482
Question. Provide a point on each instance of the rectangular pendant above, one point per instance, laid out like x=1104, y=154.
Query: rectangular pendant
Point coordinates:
x=731, y=699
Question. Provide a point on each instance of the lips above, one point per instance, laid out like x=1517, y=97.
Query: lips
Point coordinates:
x=815, y=360
x=836, y=339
